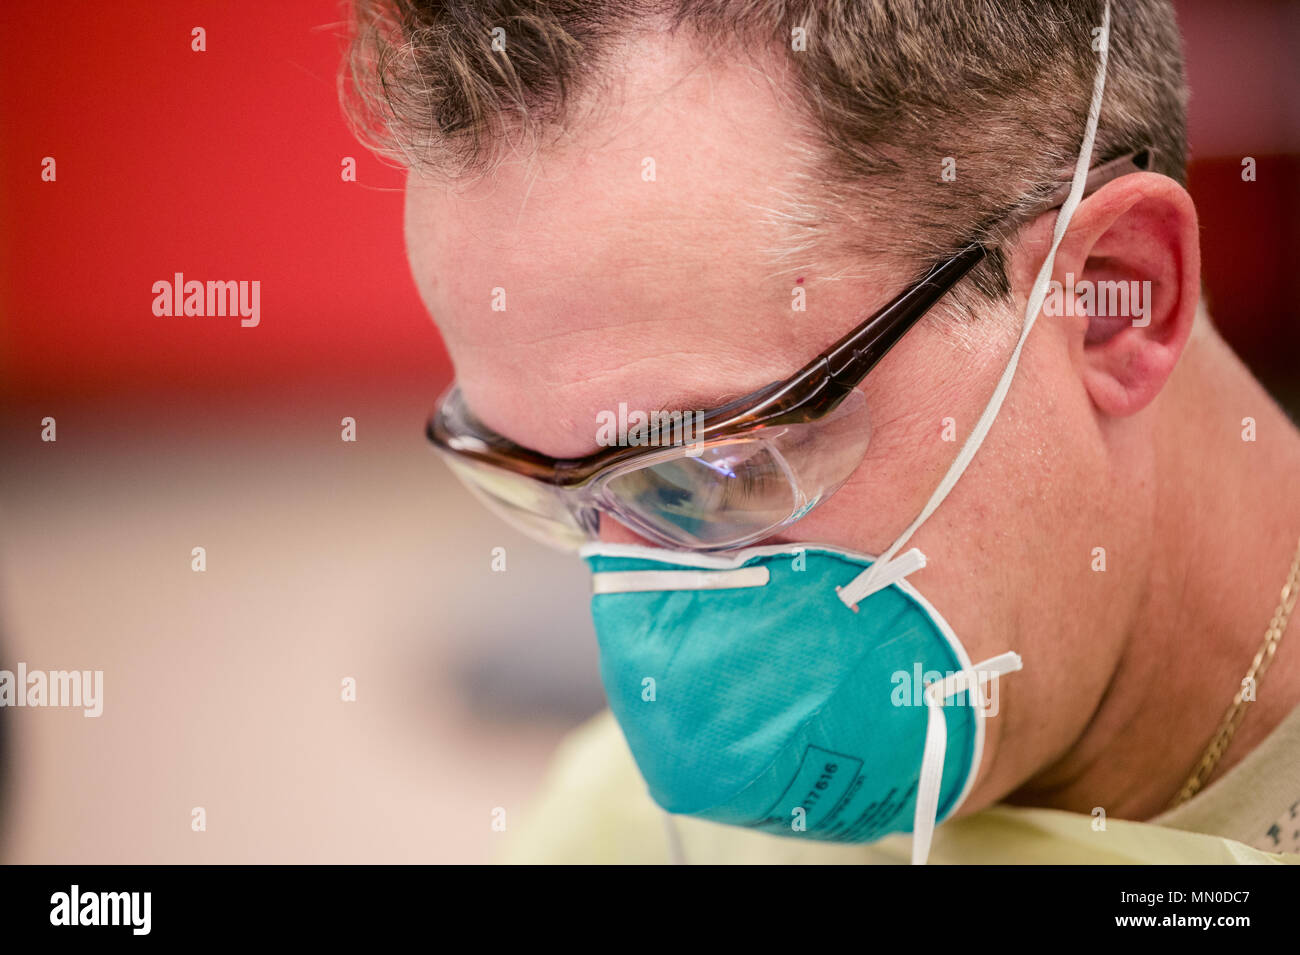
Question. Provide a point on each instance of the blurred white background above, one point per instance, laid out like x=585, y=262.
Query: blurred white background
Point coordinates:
x=223, y=689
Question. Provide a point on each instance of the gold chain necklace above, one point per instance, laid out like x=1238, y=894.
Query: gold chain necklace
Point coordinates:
x=1237, y=711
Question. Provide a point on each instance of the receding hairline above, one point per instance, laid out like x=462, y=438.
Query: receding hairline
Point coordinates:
x=889, y=91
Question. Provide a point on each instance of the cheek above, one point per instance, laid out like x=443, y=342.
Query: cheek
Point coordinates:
x=924, y=399
x=1010, y=547
x=995, y=540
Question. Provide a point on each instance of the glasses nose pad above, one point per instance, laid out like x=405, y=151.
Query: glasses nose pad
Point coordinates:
x=588, y=519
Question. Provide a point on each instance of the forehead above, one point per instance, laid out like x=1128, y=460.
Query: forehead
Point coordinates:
x=636, y=260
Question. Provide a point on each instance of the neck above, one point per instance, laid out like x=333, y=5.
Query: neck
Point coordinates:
x=1222, y=533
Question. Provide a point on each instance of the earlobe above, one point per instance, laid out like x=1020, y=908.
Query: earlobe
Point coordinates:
x=1128, y=276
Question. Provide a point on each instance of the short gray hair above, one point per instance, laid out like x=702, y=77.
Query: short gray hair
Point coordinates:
x=892, y=90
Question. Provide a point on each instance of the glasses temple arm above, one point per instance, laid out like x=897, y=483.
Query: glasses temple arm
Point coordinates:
x=848, y=360
x=1139, y=161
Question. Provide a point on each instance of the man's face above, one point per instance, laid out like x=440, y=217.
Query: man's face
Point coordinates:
x=663, y=294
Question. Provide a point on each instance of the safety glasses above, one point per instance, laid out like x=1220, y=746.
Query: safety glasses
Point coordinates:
x=745, y=470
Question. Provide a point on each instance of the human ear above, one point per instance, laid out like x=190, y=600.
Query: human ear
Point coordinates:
x=1126, y=279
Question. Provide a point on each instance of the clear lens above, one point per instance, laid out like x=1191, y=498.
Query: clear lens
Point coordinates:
x=720, y=495
x=535, y=508
x=739, y=491
x=738, y=487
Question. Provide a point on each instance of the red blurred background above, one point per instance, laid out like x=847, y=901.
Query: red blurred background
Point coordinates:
x=226, y=164
x=223, y=164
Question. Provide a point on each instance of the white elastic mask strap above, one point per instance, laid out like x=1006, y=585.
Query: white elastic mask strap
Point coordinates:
x=863, y=583
x=676, y=853
x=936, y=742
